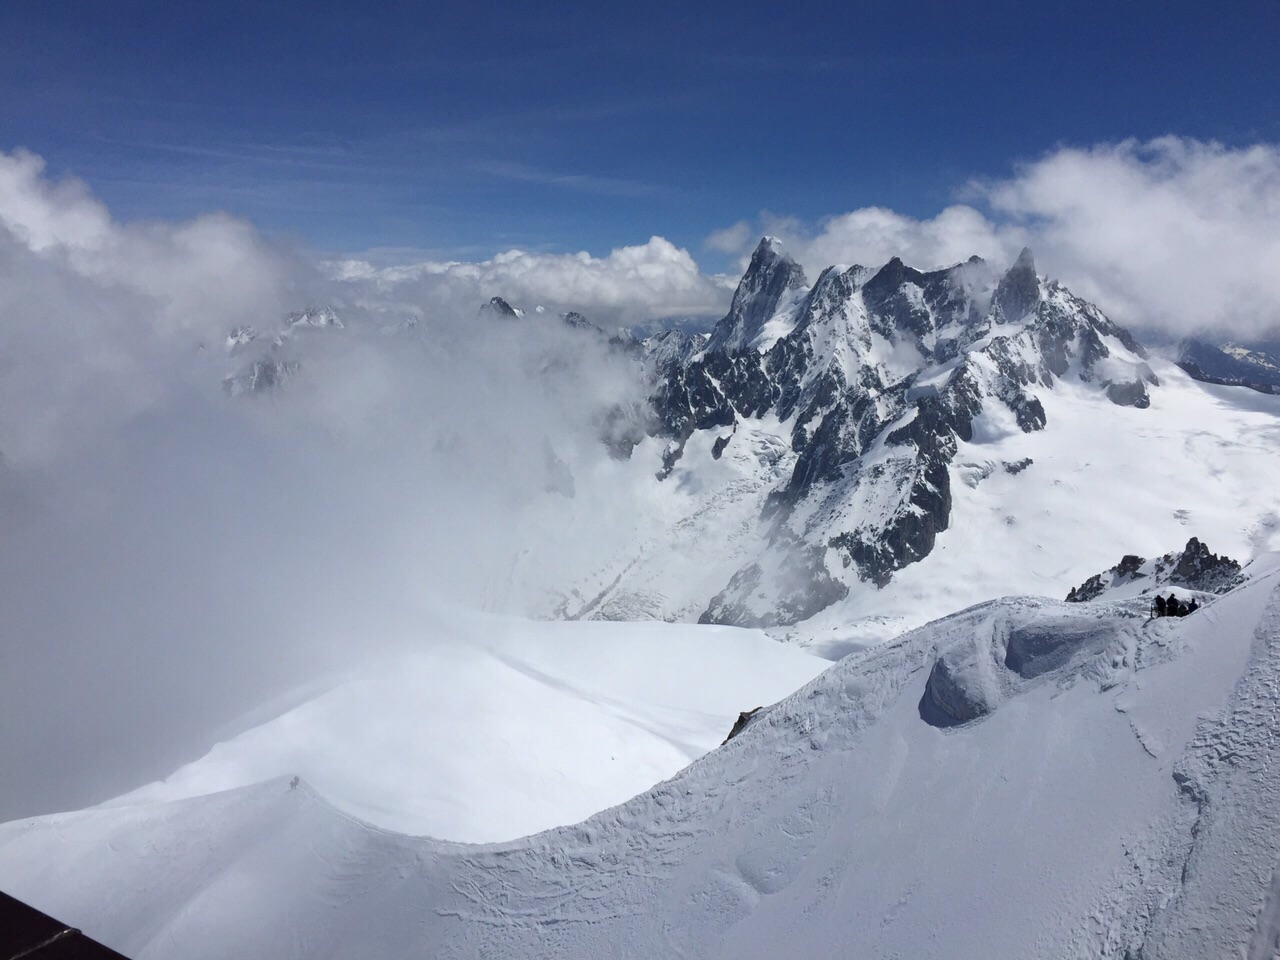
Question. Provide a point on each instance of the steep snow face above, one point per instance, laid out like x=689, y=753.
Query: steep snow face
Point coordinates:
x=498, y=728
x=1099, y=785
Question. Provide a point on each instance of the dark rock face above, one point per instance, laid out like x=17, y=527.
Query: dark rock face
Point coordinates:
x=744, y=719
x=1018, y=465
x=498, y=307
x=1019, y=290
x=1129, y=568
x=1129, y=565
x=1129, y=394
x=1091, y=589
x=1199, y=569
x=577, y=321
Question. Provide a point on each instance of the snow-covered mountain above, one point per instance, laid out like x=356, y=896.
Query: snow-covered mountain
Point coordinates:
x=842, y=459
x=839, y=462
x=828, y=443
x=1027, y=778
x=1195, y=568
x=1255, y=365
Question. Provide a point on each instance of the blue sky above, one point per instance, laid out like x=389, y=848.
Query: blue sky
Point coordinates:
x=464, y=129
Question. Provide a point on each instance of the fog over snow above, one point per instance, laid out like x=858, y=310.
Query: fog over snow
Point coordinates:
x=172, y=556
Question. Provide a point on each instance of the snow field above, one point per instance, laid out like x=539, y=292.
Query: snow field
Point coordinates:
x=839, y=823
x=507, y=727
x=1196, y=463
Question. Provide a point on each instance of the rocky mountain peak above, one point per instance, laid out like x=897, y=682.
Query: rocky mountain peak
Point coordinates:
x=1019, y=290
x=770, y=276
x=1195, y=567
x=500, y=308
x=873, y=381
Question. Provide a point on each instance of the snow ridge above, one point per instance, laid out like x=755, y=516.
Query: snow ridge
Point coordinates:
x=839, y=821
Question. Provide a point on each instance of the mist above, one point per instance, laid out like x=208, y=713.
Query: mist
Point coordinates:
x=173, y=555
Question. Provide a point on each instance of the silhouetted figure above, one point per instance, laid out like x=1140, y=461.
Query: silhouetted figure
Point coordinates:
x=1192, y=606
x=1182, y=610
x=1171, y=606
x=293, y=784
x=1160, y=607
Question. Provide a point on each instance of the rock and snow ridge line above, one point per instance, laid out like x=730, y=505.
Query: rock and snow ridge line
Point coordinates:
x=1117, y=799
x=1194, y=568
x=876, y=377
x=870, y=381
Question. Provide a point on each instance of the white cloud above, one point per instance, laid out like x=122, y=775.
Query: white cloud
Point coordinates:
x=872, y=235
x=198, y=273
x=1173, y=234
x=736, y=239
x=171, y=556
x=631, y=283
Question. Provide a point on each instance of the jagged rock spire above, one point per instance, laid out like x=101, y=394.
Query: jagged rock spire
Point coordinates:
x=1019, y=289
x=499, y=307
x=771, y=274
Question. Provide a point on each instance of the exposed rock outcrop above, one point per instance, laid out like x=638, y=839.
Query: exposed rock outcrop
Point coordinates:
x=1194, y=567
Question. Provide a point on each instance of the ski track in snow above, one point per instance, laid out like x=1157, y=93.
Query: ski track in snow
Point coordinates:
x=1121, y=803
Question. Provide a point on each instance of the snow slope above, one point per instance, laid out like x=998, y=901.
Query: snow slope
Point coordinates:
x=1105, y=480
x=1114, y=797
x=502, y=727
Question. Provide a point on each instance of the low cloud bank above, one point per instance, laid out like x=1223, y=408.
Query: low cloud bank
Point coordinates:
x=631, y=284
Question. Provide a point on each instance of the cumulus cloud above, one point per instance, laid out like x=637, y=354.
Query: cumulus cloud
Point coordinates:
x=628, y=285
x=96, y=314
x=734, y=239
x=873, y=235
x=199, y=271
x=1171, y=234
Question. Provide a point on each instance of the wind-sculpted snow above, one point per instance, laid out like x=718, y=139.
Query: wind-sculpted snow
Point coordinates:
x=1089, y=814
